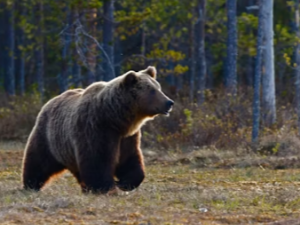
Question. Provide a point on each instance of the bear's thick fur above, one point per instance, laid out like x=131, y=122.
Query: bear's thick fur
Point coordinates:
x=95, y=133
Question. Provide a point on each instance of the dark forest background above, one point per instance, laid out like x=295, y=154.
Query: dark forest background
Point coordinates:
x=231, y=66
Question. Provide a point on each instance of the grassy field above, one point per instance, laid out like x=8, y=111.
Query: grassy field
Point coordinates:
x=203, y=188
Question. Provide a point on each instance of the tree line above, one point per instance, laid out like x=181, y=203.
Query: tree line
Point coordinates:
x=48, y=47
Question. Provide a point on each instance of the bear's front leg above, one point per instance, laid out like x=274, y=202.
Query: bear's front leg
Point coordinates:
x=130, y=170
x=97, y=165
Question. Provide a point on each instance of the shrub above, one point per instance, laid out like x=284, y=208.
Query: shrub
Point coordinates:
x=222, y=122
x=17, y=116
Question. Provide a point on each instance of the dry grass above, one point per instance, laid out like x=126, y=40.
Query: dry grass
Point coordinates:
x=177, y=190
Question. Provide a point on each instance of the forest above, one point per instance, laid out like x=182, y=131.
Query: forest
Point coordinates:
x=203, y=50
x=229, y=151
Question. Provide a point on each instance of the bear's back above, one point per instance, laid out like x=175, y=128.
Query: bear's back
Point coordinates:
x=95, y=88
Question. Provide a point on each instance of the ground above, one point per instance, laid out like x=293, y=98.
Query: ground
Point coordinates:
x=178, y=190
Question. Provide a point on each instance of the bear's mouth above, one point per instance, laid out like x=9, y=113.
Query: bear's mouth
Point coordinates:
x=167, y=113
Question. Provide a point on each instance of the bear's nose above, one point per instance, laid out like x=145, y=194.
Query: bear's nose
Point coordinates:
x=170, y=103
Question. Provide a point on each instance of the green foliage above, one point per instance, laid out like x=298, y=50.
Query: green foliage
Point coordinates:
x=165, y=27
x=247, y=23
x=276, y=148
x=179, y=69
x=187, y=128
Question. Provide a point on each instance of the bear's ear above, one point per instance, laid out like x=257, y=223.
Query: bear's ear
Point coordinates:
x=130, y=79
x=151, y=71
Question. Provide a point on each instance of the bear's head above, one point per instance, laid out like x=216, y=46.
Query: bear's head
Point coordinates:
x=146, y=92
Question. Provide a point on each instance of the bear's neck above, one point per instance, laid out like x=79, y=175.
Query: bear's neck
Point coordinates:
x=136, y=125
x=120, y=114
x=128, y=122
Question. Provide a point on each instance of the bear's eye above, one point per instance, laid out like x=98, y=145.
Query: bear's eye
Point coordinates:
x=152, y=91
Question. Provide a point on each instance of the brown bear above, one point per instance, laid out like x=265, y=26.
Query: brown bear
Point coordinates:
x=95, y=133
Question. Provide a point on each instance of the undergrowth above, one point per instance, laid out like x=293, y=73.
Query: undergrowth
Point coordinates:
x=222, y=121
x=17, y=115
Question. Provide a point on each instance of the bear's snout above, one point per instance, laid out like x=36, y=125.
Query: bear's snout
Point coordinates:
x=168, y=106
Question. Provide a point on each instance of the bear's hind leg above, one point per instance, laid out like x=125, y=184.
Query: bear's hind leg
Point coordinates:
x=38, y=164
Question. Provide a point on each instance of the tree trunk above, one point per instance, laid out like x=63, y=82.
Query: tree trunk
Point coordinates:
x=231, y=78
x=268, y=100
x=17, y=55
x=143, y=44
x=297, y=62
x=76, y=71
x=2, y=45
x=108, y=40
x=202, y=57
x=76, y=67
x=22, y=66
x=257, y=74
x=10, y=72
x=99, y=60
x=40, y=51
x=92, y=46
x=20, y=54
x=209, y=74
x=249, y=70
x=118, y=56
x=63, y=77
x=192, y=63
